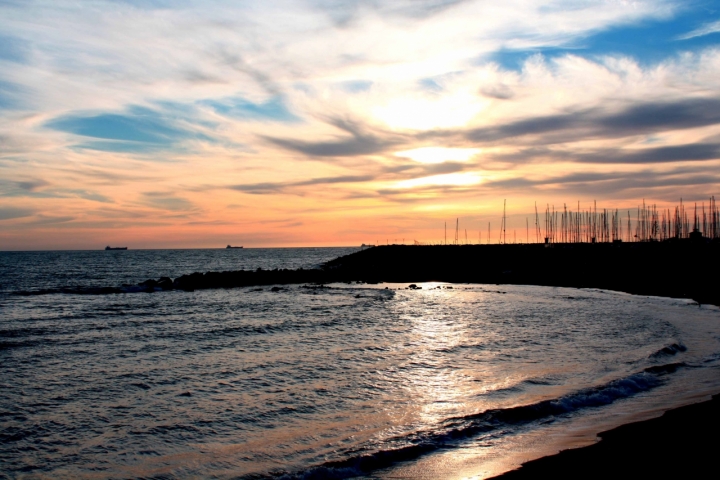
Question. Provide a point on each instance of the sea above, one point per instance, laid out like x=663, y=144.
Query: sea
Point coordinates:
x=349, y=380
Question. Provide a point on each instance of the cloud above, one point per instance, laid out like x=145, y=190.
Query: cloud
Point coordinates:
x=692, y=152
x=32, y=185
x=360, y=142
x=640, y=119
x=707, y=29
x=358, y=145
x=498, y=91
x=35, y=188
x=675, y=153
x=276, y=187
x=167, y=201
x=608, y=183
x=8, y=213
x=345, y=13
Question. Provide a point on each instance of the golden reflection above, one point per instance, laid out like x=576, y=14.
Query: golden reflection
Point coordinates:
x=435, y=391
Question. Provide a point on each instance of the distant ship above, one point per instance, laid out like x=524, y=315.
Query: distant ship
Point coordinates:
x=230, y=246
x=115, y=248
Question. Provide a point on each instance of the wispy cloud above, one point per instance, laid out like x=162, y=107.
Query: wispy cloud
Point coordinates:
x=707, y=29
x=167, y=201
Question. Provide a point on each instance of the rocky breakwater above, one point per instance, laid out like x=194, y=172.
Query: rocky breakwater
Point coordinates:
x=230, y=279
x=675, y=268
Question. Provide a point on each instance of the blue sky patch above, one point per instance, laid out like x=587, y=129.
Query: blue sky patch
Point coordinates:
x=356, y=86
x=430, y=84
x=9, y=95
x=13, y=49
x=112, y=126
x=647, y=41
x=139, y=130
x=237, y=107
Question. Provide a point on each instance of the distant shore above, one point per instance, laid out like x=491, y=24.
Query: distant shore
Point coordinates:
x=679, y=269
x=682, y=443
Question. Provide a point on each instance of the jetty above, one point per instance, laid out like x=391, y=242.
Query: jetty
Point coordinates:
x=683, y=268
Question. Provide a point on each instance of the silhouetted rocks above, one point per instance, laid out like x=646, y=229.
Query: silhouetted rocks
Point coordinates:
x=682, y=269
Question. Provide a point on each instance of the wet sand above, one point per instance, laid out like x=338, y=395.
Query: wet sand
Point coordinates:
x=682, y=443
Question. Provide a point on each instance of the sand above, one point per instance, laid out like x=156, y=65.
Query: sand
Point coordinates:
x=682, y=443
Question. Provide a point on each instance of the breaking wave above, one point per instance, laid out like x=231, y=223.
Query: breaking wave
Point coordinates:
x=447, y=435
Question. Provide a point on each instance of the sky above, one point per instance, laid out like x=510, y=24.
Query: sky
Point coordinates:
x=197, y=124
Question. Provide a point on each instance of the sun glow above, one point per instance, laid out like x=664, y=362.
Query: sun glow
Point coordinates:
x=423, y=114
x=439, y=154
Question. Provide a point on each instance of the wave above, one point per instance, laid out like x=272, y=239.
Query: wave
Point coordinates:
x=71, y=291
x=669, y=350
x=364, y=461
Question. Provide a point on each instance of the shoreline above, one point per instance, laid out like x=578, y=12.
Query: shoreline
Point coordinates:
x=680, y=442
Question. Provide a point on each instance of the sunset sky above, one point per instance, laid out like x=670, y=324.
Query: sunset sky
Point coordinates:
x=180, y=123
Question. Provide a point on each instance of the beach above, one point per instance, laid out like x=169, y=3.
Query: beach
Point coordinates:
x=682, y=443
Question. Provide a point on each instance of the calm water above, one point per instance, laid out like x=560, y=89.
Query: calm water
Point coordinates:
x=372, y=380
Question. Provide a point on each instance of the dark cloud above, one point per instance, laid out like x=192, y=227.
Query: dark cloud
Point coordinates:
x=337, y=148
x=499, y=91
x=238, y=63
x=607, y=183
x=340, y=179
x=270, y=187
x=166, y=201
x=345, y=13
x=442, y=168
x=674, y=153
x=8, y=213
x=359, y=143
x=260, y=188
x=640, y=119
x=33, y=189
x=32, y=185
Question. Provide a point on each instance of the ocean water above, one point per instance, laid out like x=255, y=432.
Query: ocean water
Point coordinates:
x=353, y=380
